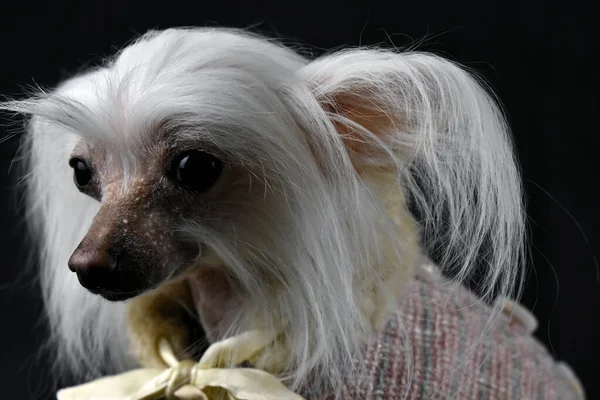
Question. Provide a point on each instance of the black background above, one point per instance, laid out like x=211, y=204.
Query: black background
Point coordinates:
x=539, y=58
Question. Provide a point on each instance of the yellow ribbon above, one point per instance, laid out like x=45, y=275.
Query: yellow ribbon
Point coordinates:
x=186, y=380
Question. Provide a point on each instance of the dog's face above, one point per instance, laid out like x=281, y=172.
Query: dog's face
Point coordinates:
x=204, y=157
x=139, y=238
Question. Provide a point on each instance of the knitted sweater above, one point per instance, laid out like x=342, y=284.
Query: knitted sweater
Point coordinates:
x=453, y=356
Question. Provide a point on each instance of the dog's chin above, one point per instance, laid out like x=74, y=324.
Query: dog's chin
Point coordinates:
x=116, y=295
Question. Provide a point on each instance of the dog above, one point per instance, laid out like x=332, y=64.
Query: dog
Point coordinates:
x=290, y=194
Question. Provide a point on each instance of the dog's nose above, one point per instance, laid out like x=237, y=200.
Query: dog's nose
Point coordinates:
x=93, y=267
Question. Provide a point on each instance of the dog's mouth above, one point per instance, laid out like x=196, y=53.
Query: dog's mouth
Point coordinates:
x=118, y=285
x=137, y=286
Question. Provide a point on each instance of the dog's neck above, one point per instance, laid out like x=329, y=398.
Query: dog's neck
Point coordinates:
x=216, y=299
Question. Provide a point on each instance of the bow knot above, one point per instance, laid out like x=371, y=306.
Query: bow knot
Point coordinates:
x=181, y=375
x=205, y=380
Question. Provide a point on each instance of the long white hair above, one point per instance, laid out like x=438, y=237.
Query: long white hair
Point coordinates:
x=275, y=111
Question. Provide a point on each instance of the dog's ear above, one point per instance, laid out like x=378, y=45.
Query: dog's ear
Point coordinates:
x=361, y=92
x=445, y=135
x=363, y=123
x=406, y=103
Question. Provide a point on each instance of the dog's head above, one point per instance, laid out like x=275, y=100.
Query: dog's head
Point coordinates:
x=202, y=156
x=193, y=154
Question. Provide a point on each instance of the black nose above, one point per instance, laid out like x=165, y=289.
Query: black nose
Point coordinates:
x=94, y=268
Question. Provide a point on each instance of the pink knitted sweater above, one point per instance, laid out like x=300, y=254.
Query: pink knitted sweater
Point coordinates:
x=453, y=356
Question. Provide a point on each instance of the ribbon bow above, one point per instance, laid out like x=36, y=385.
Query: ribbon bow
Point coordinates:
x=187, y=380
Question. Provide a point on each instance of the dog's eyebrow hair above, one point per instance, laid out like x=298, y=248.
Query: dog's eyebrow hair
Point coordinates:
x=185, y=137
x=83, y=148
x=65, y=111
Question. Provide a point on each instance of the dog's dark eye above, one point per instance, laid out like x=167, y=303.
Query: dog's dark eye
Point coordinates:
x=82, y=173
x=196, y=170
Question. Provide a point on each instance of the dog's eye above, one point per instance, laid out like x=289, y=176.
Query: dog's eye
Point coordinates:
x=196, y=170
x=82, y=173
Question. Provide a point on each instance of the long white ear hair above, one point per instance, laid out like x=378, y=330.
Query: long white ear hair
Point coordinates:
x=445, y=132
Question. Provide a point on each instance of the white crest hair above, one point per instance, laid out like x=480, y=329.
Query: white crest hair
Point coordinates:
x=263, y=104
